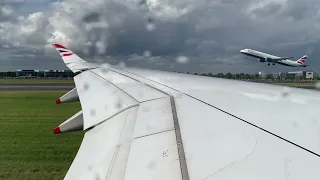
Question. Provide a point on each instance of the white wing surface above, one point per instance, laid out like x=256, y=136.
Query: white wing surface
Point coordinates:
x=153, y=125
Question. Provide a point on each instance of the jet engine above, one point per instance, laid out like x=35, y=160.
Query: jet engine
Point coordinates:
x=262, y=60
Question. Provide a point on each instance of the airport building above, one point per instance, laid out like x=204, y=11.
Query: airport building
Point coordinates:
x=305, y=74
x=43, y=73
x=298, y=75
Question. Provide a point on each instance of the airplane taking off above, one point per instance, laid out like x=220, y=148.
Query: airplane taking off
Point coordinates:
x=264, y=57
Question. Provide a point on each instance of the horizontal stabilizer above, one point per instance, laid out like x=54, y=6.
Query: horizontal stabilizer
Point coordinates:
x=70, y=96
x=74, y=123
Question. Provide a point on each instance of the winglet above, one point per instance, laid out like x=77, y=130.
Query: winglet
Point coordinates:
x=72, y=60
x=63, y=51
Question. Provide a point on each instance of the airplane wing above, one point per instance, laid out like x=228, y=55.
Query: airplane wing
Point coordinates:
x=147, y=124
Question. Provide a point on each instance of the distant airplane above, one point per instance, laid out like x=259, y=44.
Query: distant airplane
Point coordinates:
x=264, y=57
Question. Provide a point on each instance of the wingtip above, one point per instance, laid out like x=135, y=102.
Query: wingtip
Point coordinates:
x=56, y=45
x=58, y=101
x=57, y=130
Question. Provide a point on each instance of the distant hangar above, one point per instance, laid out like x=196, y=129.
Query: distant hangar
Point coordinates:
x=44, y=73
x=306, y=74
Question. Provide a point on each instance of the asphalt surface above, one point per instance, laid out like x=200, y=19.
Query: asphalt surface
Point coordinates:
x=36, y=87
x=54, y=87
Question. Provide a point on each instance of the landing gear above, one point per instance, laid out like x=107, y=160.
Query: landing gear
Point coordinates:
x=273, y=64
x=268, y=64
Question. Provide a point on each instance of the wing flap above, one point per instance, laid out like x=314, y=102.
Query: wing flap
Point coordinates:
x=154, y=157
x=138, y=143
x=96, y=153
x=154, y=117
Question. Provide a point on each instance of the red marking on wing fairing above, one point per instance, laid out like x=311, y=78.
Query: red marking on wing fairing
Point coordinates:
x=58, y=101
x=57, y=130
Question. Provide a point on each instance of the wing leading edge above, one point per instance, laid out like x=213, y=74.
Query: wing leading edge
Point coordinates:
x=174, y=126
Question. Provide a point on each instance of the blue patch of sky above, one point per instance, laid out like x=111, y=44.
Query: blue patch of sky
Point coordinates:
x=32, y=6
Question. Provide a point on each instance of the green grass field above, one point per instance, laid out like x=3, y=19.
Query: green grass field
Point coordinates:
x=295, y=84
x=13, y=81
x=28, y=148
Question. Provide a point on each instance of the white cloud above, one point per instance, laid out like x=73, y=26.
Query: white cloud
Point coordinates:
x=6, y=10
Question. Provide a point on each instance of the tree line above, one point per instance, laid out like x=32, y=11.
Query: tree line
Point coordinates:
x=245, y=76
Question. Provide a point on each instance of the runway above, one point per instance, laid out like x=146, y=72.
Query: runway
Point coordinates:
x=56, y=87
x=36, y=87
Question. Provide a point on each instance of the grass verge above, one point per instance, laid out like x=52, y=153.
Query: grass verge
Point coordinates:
x=295, y=84
x=14, y=81
x=28, y=148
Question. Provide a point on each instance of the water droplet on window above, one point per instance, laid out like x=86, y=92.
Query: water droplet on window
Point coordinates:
x=182, y=59
x=285, y=92
x=93, y=112
x=105, y=68
x=140, y=94
x=85, y=51
x=91, y=17
x=150, y=26
x=147, y=53
x=122, y=64
x=317, y=85
x=101, y=47
x=294, y=124
x=97, y=177
x=118, y=104
x=142, y=2
x=145, y=109
x=89, y=167
x=86, y=86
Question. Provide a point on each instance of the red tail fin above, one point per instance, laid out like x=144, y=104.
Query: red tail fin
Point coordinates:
x=303, y=59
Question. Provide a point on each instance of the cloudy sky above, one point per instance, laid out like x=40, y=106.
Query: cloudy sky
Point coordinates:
x=182, y=35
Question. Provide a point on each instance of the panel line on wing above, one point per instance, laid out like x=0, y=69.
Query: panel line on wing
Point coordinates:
x=154, y=133
x=116, y=151
x=116, y=113
x=114, y=85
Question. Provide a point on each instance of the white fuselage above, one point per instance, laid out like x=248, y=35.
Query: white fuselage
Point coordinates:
x=264, y=57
